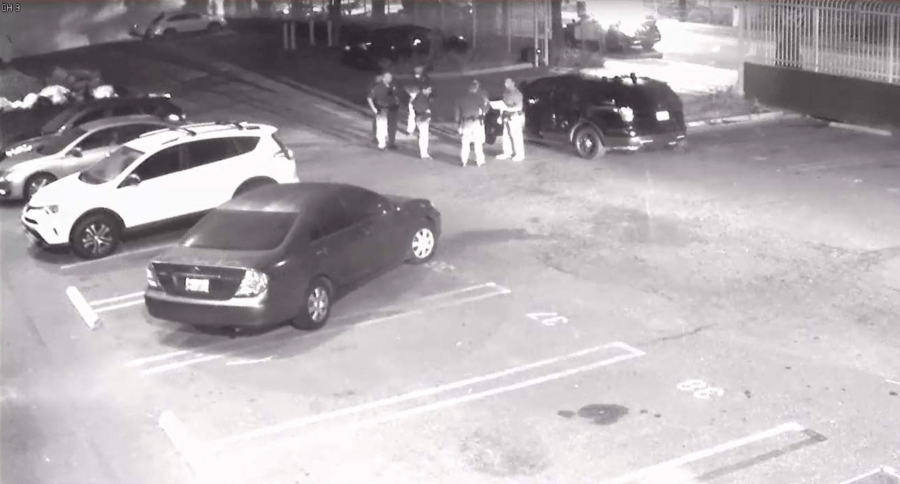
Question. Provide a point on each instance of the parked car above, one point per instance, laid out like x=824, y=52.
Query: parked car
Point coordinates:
x=158, y=177
x=168, y=24
x=54, y=156
x=632, y=33
x=285, y=253
x=20, y=127
x=368, y=49
x=599, y=114
x=694, y=12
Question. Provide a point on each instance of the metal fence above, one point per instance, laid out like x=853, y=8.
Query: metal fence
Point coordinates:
x=853, y=38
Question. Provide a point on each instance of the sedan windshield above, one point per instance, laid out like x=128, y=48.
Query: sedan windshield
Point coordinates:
x=240, y=230
x=111, y=166
x=57, y=122
x=50, y=145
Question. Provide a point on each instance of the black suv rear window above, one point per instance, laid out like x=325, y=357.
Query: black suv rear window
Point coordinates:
x=648, y=97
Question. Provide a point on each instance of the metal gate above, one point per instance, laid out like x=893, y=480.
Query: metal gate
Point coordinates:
x=851, y=38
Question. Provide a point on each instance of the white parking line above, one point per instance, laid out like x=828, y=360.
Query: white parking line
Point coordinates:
x=706, y=453
x=114, y=256
x=175, y=354
x=120, y=306
x=894, y=382
x=807, y=167
x=101, y=302
x=203, y=359
x=84, y=309
x=419, y=394
x=881, y=470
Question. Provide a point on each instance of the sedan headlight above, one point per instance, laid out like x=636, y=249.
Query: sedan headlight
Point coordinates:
x=627, y=114
x=152, y=281
x=23, y=148
x=49, y=209
x=253, y=284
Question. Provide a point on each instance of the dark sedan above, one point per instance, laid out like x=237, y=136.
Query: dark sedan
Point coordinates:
x=19, y=127
x=599, y=114
x=285, y=252
x=369, y=49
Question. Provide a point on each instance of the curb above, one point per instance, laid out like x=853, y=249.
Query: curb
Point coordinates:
x=860, y=128
x=734, y=120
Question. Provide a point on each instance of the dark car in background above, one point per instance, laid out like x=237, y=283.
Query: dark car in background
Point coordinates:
x=599, y=114
x=20, y=127
x=623, y=35
x=285, y=252
x=369, y=48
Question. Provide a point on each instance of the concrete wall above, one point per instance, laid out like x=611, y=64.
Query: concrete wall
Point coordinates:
x=845, y=99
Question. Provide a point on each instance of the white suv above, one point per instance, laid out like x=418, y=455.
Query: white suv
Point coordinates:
x=163, y=175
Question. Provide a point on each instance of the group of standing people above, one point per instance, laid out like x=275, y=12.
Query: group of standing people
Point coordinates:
x=470, y=113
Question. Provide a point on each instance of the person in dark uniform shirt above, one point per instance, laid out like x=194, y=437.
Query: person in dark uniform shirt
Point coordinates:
x=421, y=107
x=384, y=103
x=470, y=111
x=419, y=83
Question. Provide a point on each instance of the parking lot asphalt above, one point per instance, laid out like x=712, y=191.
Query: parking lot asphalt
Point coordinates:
x=728, y=312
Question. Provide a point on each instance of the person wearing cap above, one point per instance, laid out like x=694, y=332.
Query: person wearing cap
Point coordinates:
x=384, y=103
x=513, y=118
x=421, y=107
x=419, y=83
x=470, y=111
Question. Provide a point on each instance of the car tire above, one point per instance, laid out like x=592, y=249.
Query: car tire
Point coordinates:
x=35, y=183
x=95, y=236
x=214, y=27
x=589, y=143
x=316, y=306
x=422, y=244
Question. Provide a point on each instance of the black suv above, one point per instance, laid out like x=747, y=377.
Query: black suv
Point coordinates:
x=599, y=114
x=19, y=126
x=367, y=49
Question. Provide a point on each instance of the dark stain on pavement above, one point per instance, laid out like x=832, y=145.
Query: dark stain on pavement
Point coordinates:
x=630, y=225
x=893, y=394
x=566, y=413
x=477, y=237
x=748, y=394
x=603, y=414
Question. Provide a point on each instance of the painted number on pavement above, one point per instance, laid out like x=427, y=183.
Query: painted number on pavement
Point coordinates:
x=548, y=319
x=438, y=266
x=700, y=389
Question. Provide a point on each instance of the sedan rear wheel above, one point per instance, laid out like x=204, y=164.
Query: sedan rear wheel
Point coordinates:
x=317, y=307
x=423, y=245
x=36, y=182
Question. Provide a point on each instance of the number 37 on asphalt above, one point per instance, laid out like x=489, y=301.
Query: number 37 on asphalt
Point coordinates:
x=548, y=319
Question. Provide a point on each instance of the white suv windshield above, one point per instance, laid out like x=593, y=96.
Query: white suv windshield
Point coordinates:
x=111, y=166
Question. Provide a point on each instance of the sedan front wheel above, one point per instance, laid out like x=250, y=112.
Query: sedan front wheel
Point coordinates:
x=423, y=245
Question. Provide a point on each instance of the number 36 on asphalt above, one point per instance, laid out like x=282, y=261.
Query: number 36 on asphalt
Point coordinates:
x=548, y=319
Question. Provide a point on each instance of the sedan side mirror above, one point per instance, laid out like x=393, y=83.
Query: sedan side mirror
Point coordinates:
x=76, y=152
x=131, y=180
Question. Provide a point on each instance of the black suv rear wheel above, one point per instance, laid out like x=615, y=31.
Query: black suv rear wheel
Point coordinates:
x=588, y=143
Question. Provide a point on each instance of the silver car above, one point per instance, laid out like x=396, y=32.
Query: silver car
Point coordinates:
x=34, y=163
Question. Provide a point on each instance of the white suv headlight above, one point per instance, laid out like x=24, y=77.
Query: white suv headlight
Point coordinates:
x=253, y=284
x=23, y=148
x=50, y=209
x=627, y=114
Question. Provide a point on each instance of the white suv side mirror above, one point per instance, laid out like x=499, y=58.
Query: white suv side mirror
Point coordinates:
x=131, y=180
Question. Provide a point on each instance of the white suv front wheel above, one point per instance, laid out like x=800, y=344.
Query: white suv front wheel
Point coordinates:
x=95, y=236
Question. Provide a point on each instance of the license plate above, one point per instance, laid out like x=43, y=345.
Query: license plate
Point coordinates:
x=196, y=285
x=662, y=116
